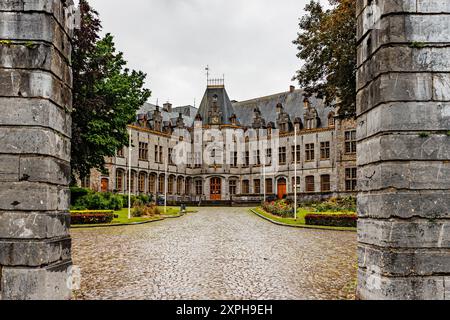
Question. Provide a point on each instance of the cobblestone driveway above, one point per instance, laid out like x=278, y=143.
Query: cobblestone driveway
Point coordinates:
x=218, y=253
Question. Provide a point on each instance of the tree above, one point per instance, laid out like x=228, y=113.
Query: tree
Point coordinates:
x=106, y=96
x=327, y=45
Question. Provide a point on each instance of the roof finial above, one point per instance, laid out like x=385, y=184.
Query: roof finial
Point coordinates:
x=207, y=73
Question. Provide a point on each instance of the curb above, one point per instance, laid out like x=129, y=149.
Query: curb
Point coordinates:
x=300, y=227
x=131, y=224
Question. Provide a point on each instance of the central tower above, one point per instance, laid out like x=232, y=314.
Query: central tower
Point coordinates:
x=216, y=107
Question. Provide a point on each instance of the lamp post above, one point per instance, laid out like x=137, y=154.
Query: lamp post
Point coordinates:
x=129, y=176
x=295, y=171
x=165, y=187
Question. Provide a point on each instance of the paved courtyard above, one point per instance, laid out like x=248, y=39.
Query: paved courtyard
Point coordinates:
x=217, y=253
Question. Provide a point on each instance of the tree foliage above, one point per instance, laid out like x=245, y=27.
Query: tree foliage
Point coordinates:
x=106, y=95
x=327, y=45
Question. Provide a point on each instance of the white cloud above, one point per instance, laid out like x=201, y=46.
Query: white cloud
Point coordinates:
x=250, y=41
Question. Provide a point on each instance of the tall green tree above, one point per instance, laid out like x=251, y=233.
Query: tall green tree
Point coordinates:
x=327, y=45
x=106, y=96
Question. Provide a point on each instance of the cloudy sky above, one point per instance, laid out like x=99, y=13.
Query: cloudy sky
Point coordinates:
x=250, y=41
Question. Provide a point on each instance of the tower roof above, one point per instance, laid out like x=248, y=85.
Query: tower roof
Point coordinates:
x=216, y=103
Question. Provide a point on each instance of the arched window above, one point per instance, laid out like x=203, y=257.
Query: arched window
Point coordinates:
x=161, y=183
x=170, y=186
x=119, y=180
x=142, y=178
x=180, y=185
x=151, y=183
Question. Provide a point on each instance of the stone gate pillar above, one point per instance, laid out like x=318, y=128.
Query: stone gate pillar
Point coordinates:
x=403, y=108
x=35, y=129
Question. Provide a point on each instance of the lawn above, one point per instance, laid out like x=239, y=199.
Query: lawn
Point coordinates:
x=123, y=217
x=300, y=222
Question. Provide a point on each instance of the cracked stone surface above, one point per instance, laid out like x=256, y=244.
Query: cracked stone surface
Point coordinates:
x=217, y=253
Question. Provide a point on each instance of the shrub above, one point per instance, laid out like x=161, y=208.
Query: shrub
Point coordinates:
x=76, y=193
x=280, y=208
x=332, y=220
x=99, y=201
x=142, y=210
x=91, y=217
x=347, y=204
x=125, y=200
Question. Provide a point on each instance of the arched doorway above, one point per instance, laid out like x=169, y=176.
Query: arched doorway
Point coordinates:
x=216, y=189
x=281, y=188
x=104, y=184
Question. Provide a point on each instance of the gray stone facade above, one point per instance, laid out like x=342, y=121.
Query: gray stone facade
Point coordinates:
x=35, y=131
x=155, y=129
x=404, y=149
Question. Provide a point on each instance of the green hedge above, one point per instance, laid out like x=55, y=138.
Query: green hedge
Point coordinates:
x=91, y=217
x=332, y=220
x=85, y=199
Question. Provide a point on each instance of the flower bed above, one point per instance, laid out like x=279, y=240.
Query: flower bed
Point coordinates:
x=332, y=220
x=91, y=217
x=279, y=208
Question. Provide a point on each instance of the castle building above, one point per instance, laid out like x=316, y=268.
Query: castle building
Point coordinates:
x=325, y=151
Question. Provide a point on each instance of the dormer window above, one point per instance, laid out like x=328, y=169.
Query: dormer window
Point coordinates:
x=215, y=98
x=331, y=120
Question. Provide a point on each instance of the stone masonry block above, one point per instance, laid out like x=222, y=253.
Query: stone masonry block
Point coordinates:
x=38, y=141
x=393, y=233
x=35, y=55
x=28, y=196
x=34, y=26
x=32, y=253
x=374, y=286
x=35, y=112
x=38, y=84
x=404, y=146
x=9, y=168
x=413, y=175
x=51, y=7
x=441, y=87
x=47, y=170
x=49, y=283
x=33, y=225
x=395, y=87
x=404, y=204
x=404, y=116
x=398, y=58
x=409, y=262
x=368, y=14
x=405, y=29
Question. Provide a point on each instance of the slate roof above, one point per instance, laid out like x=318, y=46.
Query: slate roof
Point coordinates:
x=292, y=104
x=223, y=102
x=188, y=113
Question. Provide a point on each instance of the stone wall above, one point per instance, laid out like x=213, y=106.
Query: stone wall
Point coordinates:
x=35, y=129
x=404, y=149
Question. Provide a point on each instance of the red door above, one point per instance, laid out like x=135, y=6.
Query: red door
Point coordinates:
x=105, y=184
x=216, y=189
x=281, y=188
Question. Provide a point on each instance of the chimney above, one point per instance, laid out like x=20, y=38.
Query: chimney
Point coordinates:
x=291, y=89
x=167, y=107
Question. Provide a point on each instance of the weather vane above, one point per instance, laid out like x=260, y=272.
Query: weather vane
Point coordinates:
x=207, y=73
